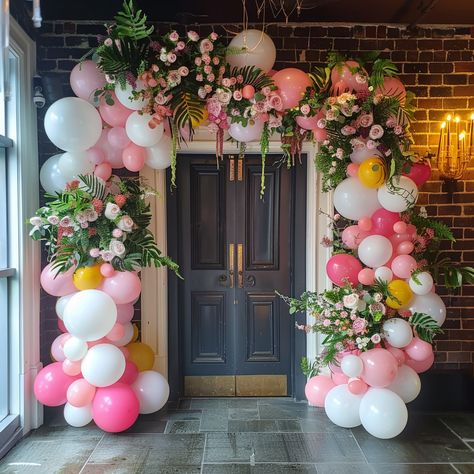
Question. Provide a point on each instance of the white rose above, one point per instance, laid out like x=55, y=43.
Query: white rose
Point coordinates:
x=117, y=247
x=36, y=221
x=376, y=132
x=112, y=211
x=351, y=301
x=125, y=223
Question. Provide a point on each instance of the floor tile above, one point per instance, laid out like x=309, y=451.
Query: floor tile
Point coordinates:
x=286, y=412
x=243, y=403
x=209, y=403
x=424, y=440
x=113, y=469
x=184, y=403
x=413, y=469
x=318, y=422
x=215, y=419
x=243, y=413
x=461, y=423
x=182, y=426
x=263, y=426
x=341, y=468
x=173, y=415
x=146, y=425
x=264, y=468
x=465, y=468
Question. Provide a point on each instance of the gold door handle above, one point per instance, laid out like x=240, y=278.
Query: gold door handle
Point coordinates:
x=240, y=264
x=231, y=265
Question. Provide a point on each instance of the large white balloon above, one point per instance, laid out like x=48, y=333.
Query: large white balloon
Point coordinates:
x=71, y=165
x=127, y=335
x=252, y=132
x=430, y=304
x=77, y=416
x=152, y=391
x=384, y=274
x=51, y=178
x=399, y=195
x=90, y=314
x=375, y=250
x=158, y=156
x=398, y=332
x=251, y=48
x=352, y=365
x=73, y=124
x=342, y=407
x=407, y=384
x=103, y=365
x=140, y=132
x=383, y=413
x=75, y=348
x=353, y=200
x=61, y=304
x=421, y=284
x=125, y=95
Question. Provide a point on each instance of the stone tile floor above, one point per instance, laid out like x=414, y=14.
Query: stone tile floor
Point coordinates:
x=247, y=436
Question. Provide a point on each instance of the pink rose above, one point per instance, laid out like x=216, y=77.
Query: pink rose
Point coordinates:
x=36, y=221
x=237, y=95
x=348, y=130
x=326, y=323
x=360, y=78
x=84, y=225
x=208, y=89
x=321, y=123
x=275, y=102
x=207, y=69
x=197, y=61
x=213, y=36
x=391, y=122
x=206, y=58
x=365, y=120
x=239, y=79
x=183, y=71
x=331, y=115
x=107, y=255
x=376, y=132
x=376, y=338
x=398, y=129
x=359, y=325
x=226, y=82
x=216, y=60
x=305, y=109
x=180, y=45
x=66, y=221
x=259, y=107
x=214, y=107
x=213, y=128
x=108, y=42
x=117, y=247
x=210, y=77
x=339, y=153
x=171, y=57
x=193, y=36
x=94, y=253
x=112, y=211
x=206, y=46
x=125, y=223
x=274, y=121
x=81, y=217
x=53, y=220
x=174, y=36
x=371, y=145
x=199, y=77
x=350, y=301
x=266, y=91
x=117, y=233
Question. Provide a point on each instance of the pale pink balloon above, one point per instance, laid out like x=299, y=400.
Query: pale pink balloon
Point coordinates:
x=80, y=393
x=307, y=123
x=411, y=229
x=339, y=378
x=383, y=221
x=71, y=367
x=393, y=87
x=397, y=239
x=400, y=227
x=403, y=266
x=123, y=287
x=357, y=386
x=317, y=388
x=107, y=270
x=365, y=223
x=405, y=248
x=103, y=171
x=85, y=79
x=115, y=115
x=112, y=155
x=125, y=313
x=116, y=333
x=102, y=340
x=339, y=88
x=343, y=269
x=96, y=155
x=133, y=157
x=57, y=347
x=56, y=283
x=352, y=236
x=420, y=366
x=342, y=73
x=418, y=349
x=380, y=367
x=51, y=385
x=292, y=84
x=118, y=137
x=352, y=169
x=367, y=276
x=397, y=353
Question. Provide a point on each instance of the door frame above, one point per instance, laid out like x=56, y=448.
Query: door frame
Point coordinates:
x=159, y=323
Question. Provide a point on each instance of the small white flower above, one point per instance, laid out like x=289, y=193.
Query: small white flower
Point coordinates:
x=126, y=224
x=376, y=132
x=53, y=220
x=117, y=247
x=36, y=221
x=351, y=301
x=112, y=211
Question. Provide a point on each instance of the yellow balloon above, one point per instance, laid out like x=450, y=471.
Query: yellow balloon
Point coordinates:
x=372, y=172
x=401, y=292
x=135, y=333
x=141, y=355
x=88, y=278
x=197, y=123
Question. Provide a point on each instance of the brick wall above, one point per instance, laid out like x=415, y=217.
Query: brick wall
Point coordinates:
x=436, y=63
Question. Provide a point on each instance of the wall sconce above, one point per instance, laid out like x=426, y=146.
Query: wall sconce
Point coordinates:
x=455, y=149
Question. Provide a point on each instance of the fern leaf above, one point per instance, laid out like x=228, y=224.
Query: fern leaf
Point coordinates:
x=187, y=108
x=425, y=326
x=94, y=186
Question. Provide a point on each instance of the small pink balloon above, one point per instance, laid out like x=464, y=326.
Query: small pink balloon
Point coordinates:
x=343, y=269
x=123, y=287
x=102, y=340
x=352, y=169
x=400, y=227
x=339, y=378
x=248, y=91
x=380, y=367
x=71, y=368
x=397, y=239
x=320, y=134
x=125, y=352
x=86, y=78
x=118, y=137
x=57, y=347
x=397, y=353
x=418, y=349
x=419, y=173
x=272, y=72
x=365, y=223
x=393, y=87
x=411, y=229
x=130, y=374
x=352, y=236
x=56, y=283
x=95, y=155
x=420, y=366
x=80, y=393
x=405, y=248
x=357, y=386
x=125, y=313
x=114, y=115
x=107, y=270
x=383, y=221
x=51, y=385
x=103, y=171
x=113, y=155
x=317, y=388
x=403, y=266
x=133, y=157
x=367, y=276
x=61, y=325
x=307, y=123
x=116, y=333
x=292, y=84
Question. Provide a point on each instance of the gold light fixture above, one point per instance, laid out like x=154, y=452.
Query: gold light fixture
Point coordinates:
x=455, y=149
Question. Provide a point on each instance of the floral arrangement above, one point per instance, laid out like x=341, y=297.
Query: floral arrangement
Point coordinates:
x=93, y=221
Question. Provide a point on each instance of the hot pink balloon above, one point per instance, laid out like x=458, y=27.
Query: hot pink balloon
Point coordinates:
x=397, y=353
x=130, y=374
x=365, y=223
x=125, y=313
x=308, y=123
x=56, y=283
x=419, y=173
x=51, y=385
x=339, y=378
x=380, y=367
x=400, y=227
x=96, y=155
x=71, y=367
x=403, y=266
x=418, y=349
x=292, y=84
x=317, y=388
x=118, y=137
x=103, y=171
x=107, y=270
x=420, y=366
x=397, y=239
x=125, y=351
x=393, y=87
x=383, y=221
x=115, y=115
x=343, y=268
x=123, y=287
x=367, y=276
x=353, y=169
x=134, y=157
x=357, y=386
x=115, y=408
x=405, y=248
x=80, y=393
x=85, y=79
x=57, y=347
x=116, y=333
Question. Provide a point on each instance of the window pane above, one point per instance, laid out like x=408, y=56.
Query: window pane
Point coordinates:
x=3, y=348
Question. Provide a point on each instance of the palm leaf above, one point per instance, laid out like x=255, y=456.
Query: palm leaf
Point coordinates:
x=381, y=69
x=93, y=185
x=131, y=23
x=252, y=76
x=321, y=77
x=187, y=107
x=425, y=326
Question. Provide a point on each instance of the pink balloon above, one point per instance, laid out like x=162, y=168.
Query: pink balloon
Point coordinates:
x=400, y=227
x=420, y=366
x=125, y=352
x=103, y=171
x=357, y=386
x=115, y=408
x=57, y=347
x=96, y=155
x=403, y=266
x=85, y=79
x=365, y=223
x=61, y=325
x=292, y=84
x=116, y=333
x=419, y=173
x=397, y=239
x=383, y=221
x=307, y=123
x=123, y=287
x=352, y=236
x=102, y=340
x=339, y=378
x=134, y=157
x=115, y=115
x=339, y=88
x=343, y=268
x=380, y=367
x=352, y=169
x=405, y=248
x=393, y=87
x=418, y=349
x=125, y=313
x=112, y=155
x=107, y=270
x=80, y=393
x=51, y=385
x=71, y=367
x=411, y=230
x=320, y=134
x=56, y=283
x=130, y=374
x=118, y=137
x=341, y=74
x=397, y=353
x=367, y=276
x=317, y=388
x=272, y=72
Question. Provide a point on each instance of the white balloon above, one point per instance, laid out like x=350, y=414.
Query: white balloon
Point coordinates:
x=383, y=413
x=252, y=48
x=61, y=304
x=430, y=304
x=158, y=157
x=140, y=132
x=252, y=132
x=353, y=200
x=90, y=314
x=51, y=178
x=352, y=365
x=375, y=250
x=125, y=95
x=71, y=165
x=152, y=391
x=398, y=332
x=407, y=384
x=75, y=348
x=73, y=124
x=127, y=337
x=384, y=274
x=359, y=156
x=421, y=284
x=342, y=407
x=399, y=196
x=77, y=416
x=103, y=365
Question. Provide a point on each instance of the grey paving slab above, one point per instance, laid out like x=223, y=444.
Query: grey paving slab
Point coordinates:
x=184, y=403
x=243, y=414
x=263, y=426
x=214, y=420
x=318, y=422
x=147, y=425
x=286, y=411
x=465, y=468
x=243, y=403
x=343, y=468
x=112, y=469
x=183, y=426
x=461, y=423
x=174, y=415
x=413, y=469
x=258, y=469
x=210, y=403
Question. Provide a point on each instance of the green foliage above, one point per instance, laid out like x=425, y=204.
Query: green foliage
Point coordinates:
x=425, y=326
x=187, y=106
x=93, y=185
x=381, y=68
x=441, y=230
x=321, y=78
x=131, y=23
x=252, y=76
x=310, y=369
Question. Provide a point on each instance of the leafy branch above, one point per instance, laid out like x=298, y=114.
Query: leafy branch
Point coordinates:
x=131, y=23
x=425, y=326
x=310, y=369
